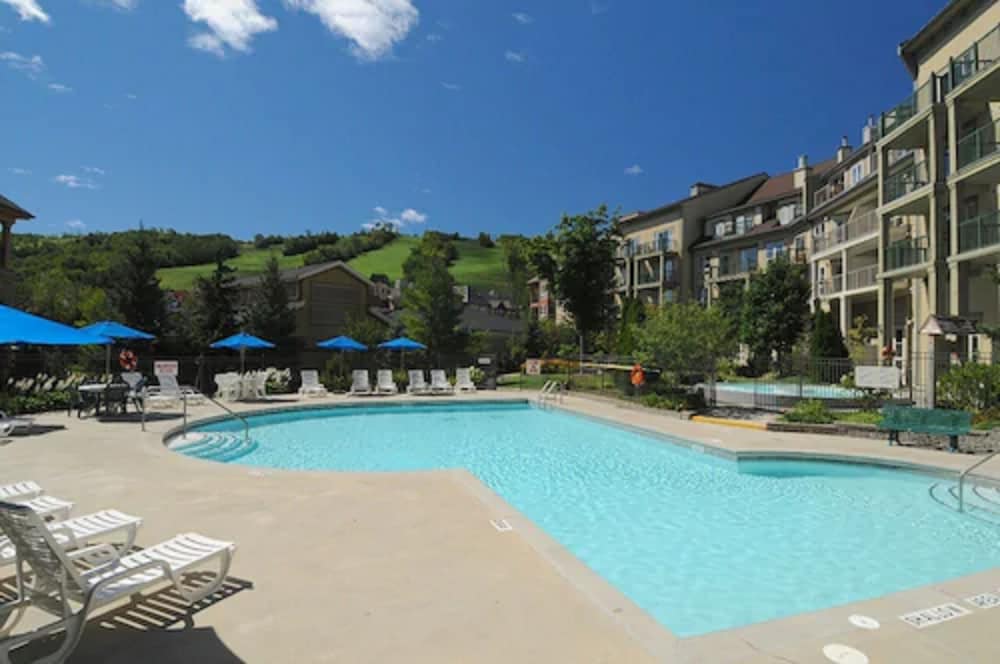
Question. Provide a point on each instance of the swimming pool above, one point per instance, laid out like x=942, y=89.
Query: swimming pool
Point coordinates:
x=700, y=542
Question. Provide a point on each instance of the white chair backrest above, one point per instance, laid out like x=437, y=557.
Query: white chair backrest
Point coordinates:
x=37, y=549
x=385, y=378
x=417, y=378
x=310, y=378
x=359, y=378
x=463, y=376
x=438, y=378
x=168, y=383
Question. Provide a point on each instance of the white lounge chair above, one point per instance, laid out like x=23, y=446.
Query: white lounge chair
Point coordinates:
x=439, y=382
x=170, y=392
x=9, y=425
x=417, y=385
x=20, y=490
x=386, y=385
x=81, y=531
x=227, y=386
x=48, y=577
x=359, y=383
x=463, y=380
x=311, y=387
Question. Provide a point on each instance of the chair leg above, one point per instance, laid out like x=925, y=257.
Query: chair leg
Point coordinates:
x=193, y=597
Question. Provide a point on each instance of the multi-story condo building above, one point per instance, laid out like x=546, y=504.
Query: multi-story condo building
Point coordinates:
x=543, y=304
x=653, y=263
x=939, y=173
x=772, y=222
x=844, y=256
x=10, y=213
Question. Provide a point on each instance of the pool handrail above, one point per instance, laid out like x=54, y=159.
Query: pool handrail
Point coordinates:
x=965, y=473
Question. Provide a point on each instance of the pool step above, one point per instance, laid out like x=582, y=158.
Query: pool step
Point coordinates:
x=222, y=447
x=980, y=502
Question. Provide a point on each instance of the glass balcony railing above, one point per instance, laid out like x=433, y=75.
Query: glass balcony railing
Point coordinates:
x=863, y=277
x=920, y=100
x=979, y=144
x=859, y=226
x=905, y=253
x=906, y=180
x=979, y=232
x=973, y=60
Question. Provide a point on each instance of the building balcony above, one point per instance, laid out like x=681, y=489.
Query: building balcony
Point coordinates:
x=916, y=103
x=828, y=192
x=660, y=246
x=863, y=277
x=736, y=269
x=906, y=253
x=979, y=232
x=908, y=179
x=978, y=145
x=861, y=226
x=980, y=56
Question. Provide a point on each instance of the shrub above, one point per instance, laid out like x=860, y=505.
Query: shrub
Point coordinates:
x=675, y=400
x=401, y=378
x=811, y=411
x=973, y=387
x=987, y=419
x=477, y=375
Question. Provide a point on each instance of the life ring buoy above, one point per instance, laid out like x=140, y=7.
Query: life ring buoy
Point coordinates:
x=128, y=360
x=638, y=376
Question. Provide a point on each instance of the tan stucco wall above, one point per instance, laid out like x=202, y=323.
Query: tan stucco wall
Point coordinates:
x=957, y=42
x=305, y=324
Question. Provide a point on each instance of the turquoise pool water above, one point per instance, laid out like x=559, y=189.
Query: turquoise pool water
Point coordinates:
x=699, y=542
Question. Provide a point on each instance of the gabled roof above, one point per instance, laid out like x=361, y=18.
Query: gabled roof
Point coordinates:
x=14, y=209
x=909, y=49
x=643, y=215
x=306, y=271
x=783, y=185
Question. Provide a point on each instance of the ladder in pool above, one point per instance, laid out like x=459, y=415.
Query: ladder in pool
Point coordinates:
x=551, y=391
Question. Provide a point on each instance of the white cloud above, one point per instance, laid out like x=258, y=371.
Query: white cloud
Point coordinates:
x=94, y=169
x=522, y=18
x=28, y=10
x=231, y=23
x=407, y=217
x=634, y=169
x=19, y=171
x=123, y=5
x=74, y=182
x=131, y=95
x=515, y=56
x=411, y=216
x=372, y=26
x=30, y=65
x=454, y=87
x=434, y=37
x=76, y=224
x=59, y=87
x=598, y=8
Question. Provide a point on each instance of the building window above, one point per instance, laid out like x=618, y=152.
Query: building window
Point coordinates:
x=668, y=296
x=665, y=240
x=773, y=250
x=668, y=271
x=744, y=222
x=857, y=173
x=724, y=264
x=787, y=213
x=748, y=259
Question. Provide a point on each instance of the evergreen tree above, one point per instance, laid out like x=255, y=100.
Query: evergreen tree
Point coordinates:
x=269, y=316
x=215, y=311
x=775, y=310
x=135, y=291
x=826, y=342
x=432, y=310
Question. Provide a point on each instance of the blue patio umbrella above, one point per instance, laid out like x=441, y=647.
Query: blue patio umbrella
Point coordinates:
x=241, y=342
x=20, y=327
x=402, y=344
x=118, y=332
x=343, y=344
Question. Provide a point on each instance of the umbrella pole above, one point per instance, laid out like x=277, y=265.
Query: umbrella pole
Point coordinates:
x=107, y=359
x=243, y=360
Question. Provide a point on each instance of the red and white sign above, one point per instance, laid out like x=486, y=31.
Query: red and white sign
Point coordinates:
x=533, y=367
x=165, y=368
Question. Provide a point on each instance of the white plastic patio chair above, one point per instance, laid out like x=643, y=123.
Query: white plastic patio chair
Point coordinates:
x=20, y=490
x=386, y=385
x=228, y=386
x=439, y=382
x=311, y=387
x=359, y=383
x=169, y=390
x=417, y=383
x=463, y=380
x=81, y=531
x=49, y=579
x=31, y=494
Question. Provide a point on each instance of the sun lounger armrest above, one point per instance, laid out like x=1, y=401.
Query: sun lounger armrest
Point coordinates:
x=168, y=575
x=64, y=536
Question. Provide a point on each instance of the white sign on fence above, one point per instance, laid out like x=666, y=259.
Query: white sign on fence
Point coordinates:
x=533, y=367
x=879, y=378
x=165, y=368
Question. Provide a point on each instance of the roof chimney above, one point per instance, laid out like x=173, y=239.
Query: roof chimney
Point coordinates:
x=844, y=150
x=699, y=188
x=803, y=162
x=802, y=171
x=868, y=131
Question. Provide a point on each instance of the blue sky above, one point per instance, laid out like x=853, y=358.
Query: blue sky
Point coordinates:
x=278, y=116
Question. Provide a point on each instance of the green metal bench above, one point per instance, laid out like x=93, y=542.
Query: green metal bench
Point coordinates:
x=951, y=423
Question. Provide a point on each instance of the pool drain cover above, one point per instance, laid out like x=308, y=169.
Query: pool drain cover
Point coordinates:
x=841, y=654
x=864, y=622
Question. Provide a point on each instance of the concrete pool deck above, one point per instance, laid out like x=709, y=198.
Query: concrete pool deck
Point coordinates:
x=351, y=567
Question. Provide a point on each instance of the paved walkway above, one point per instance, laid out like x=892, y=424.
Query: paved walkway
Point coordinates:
x=344, y=567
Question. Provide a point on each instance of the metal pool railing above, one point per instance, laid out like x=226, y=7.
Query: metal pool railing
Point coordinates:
x=965, y=473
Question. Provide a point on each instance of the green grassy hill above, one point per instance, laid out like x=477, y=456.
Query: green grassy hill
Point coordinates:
x=476, y=266
x=251, y=261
